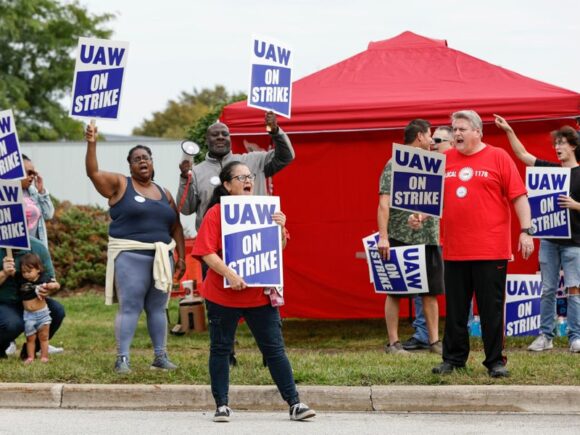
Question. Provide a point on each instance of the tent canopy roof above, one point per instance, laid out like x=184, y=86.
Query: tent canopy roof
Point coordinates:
x=406, y=77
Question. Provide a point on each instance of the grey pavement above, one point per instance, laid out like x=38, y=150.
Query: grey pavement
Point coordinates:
x=90, y=422
x=395, y=398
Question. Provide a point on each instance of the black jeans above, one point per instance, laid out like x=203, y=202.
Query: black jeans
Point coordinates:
x=266, y=327
x=487, y=278
x=12, y=322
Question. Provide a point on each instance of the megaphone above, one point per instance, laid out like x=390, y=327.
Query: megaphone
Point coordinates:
x=189, y=150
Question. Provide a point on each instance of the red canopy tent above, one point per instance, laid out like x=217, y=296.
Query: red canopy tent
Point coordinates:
x=344, y=120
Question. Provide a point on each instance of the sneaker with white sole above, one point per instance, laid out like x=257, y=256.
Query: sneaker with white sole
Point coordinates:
x=301, y=411
x=161, y=362
x=122, y=366
x=396, y=349
x=52, y=350
x=11, y=350
x=222, y=414
x=541, y=343
x=575, y=346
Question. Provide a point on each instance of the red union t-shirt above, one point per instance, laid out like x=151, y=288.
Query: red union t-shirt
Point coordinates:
x=476, y=213
x=209, y=241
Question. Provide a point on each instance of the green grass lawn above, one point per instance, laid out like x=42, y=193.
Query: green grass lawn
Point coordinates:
x=337, y=352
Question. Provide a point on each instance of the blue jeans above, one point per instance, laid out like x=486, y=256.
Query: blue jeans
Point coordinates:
x=12, y=322
x=554, y=256
x=421, y=334
x=266, y=327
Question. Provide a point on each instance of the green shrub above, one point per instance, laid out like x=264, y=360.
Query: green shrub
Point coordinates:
x=77, y=238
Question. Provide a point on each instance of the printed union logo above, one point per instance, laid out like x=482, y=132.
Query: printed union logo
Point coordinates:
x=465, y=174
x=461, y=192
x=215, y=181
x=139, y=198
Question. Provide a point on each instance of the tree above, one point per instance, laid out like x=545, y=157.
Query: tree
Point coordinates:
x=174, y=121
x=37, y=39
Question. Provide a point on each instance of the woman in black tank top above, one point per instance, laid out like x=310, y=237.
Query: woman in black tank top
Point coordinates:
x=145, y=225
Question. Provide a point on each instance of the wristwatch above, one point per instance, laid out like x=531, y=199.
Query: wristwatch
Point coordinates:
x=529, y=231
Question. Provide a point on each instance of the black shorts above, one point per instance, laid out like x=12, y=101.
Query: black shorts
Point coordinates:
x=434, y=262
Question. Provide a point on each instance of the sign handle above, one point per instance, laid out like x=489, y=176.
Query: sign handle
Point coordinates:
x=9, y=252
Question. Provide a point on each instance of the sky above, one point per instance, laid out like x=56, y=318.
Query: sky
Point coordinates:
x=179, y=45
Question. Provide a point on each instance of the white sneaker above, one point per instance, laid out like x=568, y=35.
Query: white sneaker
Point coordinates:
x=11, y=350
x=52, y=350
x=541, y=343
x=575, y=345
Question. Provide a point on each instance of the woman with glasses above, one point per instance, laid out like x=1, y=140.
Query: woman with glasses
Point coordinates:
x=37, y=202
x=144, y=230
x=225, y=306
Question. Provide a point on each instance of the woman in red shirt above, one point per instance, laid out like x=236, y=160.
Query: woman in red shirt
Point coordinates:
x=225, y=306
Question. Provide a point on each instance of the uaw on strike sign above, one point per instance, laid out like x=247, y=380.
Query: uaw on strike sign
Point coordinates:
x=544, y=185
x=251, y=240
x=417, y=182
x=11, y=166
x=404, y=273
x=13, y=230
x=271, y=76
x=98, y=78
x=522, y=305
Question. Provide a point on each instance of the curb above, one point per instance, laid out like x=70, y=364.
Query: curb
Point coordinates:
x=457, y=398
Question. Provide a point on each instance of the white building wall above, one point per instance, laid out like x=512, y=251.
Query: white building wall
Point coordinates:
x=62, y=166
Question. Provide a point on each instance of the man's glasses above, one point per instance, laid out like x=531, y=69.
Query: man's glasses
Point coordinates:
x=439, y=140
x=560, y=143
x=143, y=158
x=31, y=173
x=244, y=178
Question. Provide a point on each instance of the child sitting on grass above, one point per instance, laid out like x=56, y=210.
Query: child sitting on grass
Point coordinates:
x=37, y=318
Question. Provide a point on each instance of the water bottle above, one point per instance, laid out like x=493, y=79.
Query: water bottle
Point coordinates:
x=561, y=327
x=475, y=330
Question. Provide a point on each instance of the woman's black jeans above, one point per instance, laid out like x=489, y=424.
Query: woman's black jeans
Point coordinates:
x=266, y=327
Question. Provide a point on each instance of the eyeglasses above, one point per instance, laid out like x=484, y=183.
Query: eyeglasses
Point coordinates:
x=143, y=158
x=561, y=143
x=244, y=178
x=31, y=173
x=439, y=140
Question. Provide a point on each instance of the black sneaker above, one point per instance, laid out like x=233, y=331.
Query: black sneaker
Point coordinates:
x=444, y=368
x=222, y=414
x=499, y=371
x=414, y=344
x=300, y=411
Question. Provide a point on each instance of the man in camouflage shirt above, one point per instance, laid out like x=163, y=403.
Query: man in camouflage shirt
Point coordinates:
x=401, y=228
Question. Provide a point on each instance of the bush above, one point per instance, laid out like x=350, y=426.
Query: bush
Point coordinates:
x=77, y=238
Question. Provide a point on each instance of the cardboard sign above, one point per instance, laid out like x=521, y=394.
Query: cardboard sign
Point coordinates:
x=522, y=305
x=417, y=181
x=98, y=78
x=549, y=220
x=251, y=240
x=271, y=76
x=404, y=273
x=13, y=230
x=11, y=165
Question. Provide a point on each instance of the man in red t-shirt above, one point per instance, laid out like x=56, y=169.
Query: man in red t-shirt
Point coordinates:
x=480, y=182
